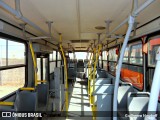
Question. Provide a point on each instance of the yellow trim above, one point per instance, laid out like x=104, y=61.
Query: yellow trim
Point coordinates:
x=27, y=88
x=34, y=62
x=7, y=103
x=66, y=75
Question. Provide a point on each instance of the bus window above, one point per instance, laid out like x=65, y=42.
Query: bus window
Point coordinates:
x=11, y=78
x=104, y=57
x=125, y=58
x=16, y=53
x=52, y=61
x=3, y=52
x=112, y=55
x=152, y=49
x=39, y=68
x=112, y=60
x=136, y=54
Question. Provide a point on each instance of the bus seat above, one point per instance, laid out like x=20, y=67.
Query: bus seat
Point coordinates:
x=43, y=96
x=51, y=85
x=138, y=104
x=103, y=81
x=104, y=95
x=123, y=91
x=25, y=101
x=101, y=73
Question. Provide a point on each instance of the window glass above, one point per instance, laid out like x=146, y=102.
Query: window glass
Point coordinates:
x=59, y=56
x=16, y=53
x=2, y=52
x=54, y=55
x=51, y=57
x=152, y=50
x=58, y=63
x=71, y=55
x=136, y=54
x=44, y=68
x=11, y=80
x=105, y=54
x=125, y=58
x=52, y=66
x=39, y=68
x=112, y=55
x=81, y=55
x=105, y=65
x=112, y=67
x=100, y=63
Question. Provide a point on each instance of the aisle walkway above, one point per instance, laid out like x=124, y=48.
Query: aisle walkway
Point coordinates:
x=79, y=108
x=79, y=102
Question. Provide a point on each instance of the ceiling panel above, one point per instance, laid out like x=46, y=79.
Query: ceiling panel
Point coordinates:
x=77, y=19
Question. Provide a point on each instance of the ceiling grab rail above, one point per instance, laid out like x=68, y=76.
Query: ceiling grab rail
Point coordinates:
x=134, y=13
x=155, y=89
x=66, y=74
x=17, y=12
x=131, y=21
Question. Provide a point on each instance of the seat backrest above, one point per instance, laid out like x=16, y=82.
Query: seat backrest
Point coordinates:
x=123, y=91
x=138, y=103
x=103, y=81
x=101, y=73
x=25, y=101
x=43, y=93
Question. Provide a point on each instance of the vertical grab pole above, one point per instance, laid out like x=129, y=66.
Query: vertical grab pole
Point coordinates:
x=91, y=75
x=131, y=23
x=94, y=80
x=66, y=75
x=153, y=101
x=89, y=71
x=34, y=62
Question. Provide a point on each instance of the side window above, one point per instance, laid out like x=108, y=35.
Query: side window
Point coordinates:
x=136, y=54
x=152, y=49
x=105, y=57
x=112, y=60
x=125, y=58
x=52, y=61
x=105, y=54
x=112, y=54
x=12, y=66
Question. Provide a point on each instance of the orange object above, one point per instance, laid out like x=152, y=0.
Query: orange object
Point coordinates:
x=133, y=77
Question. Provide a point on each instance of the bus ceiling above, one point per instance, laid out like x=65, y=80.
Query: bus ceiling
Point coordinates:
x=79, y=30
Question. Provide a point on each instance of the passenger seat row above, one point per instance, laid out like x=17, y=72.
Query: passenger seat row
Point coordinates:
x=129, y=101
x=29, y=101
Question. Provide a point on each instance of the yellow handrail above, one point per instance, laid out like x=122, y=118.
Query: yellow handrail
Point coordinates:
x=28, y=88
x=89, y=73
x=34, y=62
x=7, y=103
x=66, y=75
x=94, y=77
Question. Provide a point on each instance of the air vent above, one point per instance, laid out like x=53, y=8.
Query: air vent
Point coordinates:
x=79, y=41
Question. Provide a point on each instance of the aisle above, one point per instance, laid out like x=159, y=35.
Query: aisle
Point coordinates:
x=79, y=101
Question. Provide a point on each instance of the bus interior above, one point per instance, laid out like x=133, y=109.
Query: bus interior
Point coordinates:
x=79, y=59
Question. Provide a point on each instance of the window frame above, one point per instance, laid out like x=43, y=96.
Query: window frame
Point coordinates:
x=25, y=65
